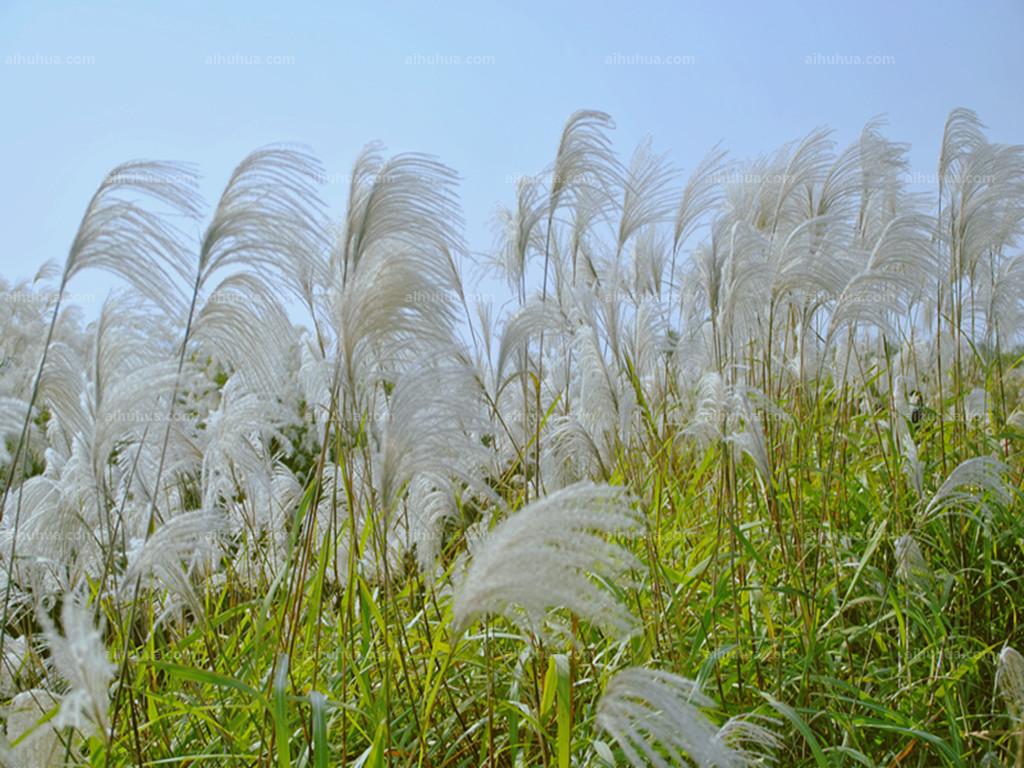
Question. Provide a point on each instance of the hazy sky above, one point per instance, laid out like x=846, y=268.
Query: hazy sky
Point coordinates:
x=485, y=86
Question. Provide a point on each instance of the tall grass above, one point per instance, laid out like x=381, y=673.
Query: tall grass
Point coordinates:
x=730, y=475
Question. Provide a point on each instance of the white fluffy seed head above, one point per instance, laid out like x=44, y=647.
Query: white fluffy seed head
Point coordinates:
x=1010, y=681
x=911, y=565
x=39, y=745
x=654, y=715
x=79, y=655
x=553, y=553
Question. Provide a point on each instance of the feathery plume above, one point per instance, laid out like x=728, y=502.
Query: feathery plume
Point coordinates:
x=656, y=719
x=80, y=657
x=43, y=747
x=911, y=565
x=186, y=540
x=973, y=482
x=549, y=555
x=1010, y=681
x=121, y=236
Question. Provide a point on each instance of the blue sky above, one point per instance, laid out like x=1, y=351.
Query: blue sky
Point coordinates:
x=485, y=86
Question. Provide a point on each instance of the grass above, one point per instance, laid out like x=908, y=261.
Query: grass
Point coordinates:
x=773, y=565
x=768, y=594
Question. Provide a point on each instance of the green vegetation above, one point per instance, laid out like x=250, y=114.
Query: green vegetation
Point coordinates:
x=734, y=478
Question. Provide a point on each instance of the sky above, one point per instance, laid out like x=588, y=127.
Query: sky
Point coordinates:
x=485, y=86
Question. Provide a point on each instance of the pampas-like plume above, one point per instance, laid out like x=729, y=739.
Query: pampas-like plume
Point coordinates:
x=236, y=441
x=119, y=235
x=703, y=191
x=550, y=554
x=1003, y=298
x=520, y=232
x=269, y=218
x=392, y=298
x=898, y=269
x=11, y=664
x=433, y=415
x=911, y=566
x=13, y=414
x=408, y=200
x=39, y=743
x=531, y=320
x=80, y=657
x=973, y=482
x=725, y=412
x=169, y=554
x=243, y=327
x=1010, y=681
x=656, y=718
x=584, y=159
x=647, y=195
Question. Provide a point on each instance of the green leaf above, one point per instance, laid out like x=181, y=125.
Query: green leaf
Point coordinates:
x=320, y=748
x=280, y=712
x=801, y=725
x=561, y=663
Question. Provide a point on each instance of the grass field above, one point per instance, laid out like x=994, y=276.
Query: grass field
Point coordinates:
x=717, y=469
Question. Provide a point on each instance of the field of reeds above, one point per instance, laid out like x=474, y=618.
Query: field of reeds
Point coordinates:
x=714, y=468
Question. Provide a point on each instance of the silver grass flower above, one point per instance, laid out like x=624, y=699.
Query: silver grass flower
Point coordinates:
x=80, y=658
x=434, y=418
x=702, y=193
x=973, y=482
x=647, y=197
x=657, y=719
x=588, y=436
x=172, y=552
x=1010, y=681
x=976, y=405
x=726, y=412
x=520, y=232
x=269, y=220
x=899, y=265
x=12, y=663
x=44, y=747
x=552, y=553
x=118, y=234
x=911, y=565
x=243, y=327
x=13, y=412
x=584, y=160
x=1003, y=302
x=235, y=440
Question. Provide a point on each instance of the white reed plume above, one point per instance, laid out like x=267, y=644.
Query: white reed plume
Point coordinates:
x=911, y=565
x=657, y=719
x=553, y=553
x=80, y=658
